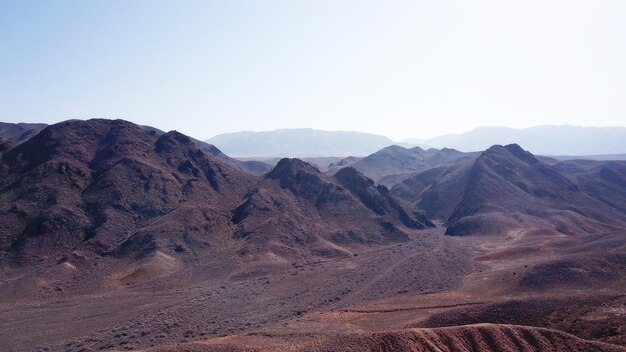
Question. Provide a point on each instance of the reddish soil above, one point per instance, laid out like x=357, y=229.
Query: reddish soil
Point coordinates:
x=480, y=337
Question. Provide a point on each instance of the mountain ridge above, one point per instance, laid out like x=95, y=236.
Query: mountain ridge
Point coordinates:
x=102, y=186
x=559, y=141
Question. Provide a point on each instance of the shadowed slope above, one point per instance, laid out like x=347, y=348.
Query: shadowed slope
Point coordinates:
x=4, y=146
x=378, y=198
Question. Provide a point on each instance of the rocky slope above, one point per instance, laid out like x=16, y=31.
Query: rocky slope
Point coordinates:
x=111, y=187
x=302, y=207
x=115, y=188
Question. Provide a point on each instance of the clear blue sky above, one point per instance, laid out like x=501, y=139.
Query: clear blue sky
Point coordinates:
x=398, y=68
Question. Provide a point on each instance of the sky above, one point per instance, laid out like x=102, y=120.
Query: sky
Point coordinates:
x=397, y=68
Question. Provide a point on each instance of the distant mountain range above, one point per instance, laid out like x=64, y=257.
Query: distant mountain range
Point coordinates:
x=562, y=142
x=542, y=140
x=299, y=143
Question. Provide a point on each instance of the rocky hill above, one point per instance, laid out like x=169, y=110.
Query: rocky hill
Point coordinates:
x=110, y=187
x=506, y=189
x=115, y=188
x=295, y=205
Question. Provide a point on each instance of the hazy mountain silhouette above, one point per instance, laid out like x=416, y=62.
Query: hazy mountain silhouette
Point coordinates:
x=544, y=140
x=303, y=142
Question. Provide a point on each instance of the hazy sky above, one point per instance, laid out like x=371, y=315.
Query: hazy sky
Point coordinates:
x=398, y=68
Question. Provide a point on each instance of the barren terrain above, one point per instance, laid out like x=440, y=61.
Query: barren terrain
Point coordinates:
x=116, y=237
x=572, y=285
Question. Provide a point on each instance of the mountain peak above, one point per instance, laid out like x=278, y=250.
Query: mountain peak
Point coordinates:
x=392, y=148
x=510, y=150
x=520, y=153
x=289, y=167
x=450, y=151
x=173, y=140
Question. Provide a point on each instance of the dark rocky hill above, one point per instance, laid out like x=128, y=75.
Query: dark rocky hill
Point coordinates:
x=111, y=186
x=295, y=205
